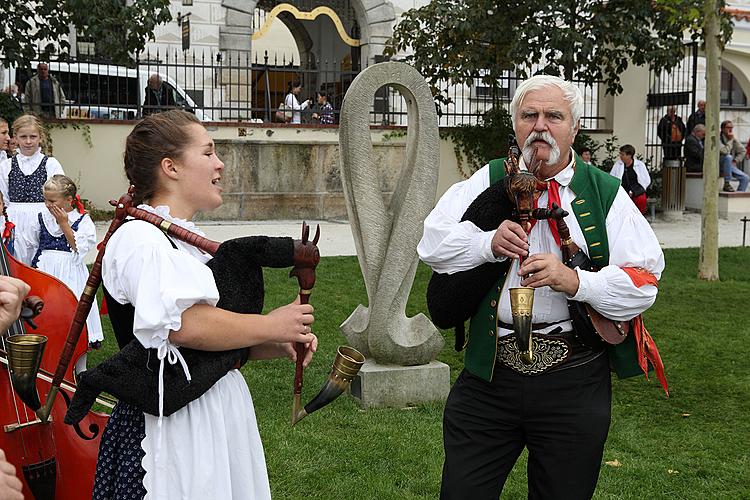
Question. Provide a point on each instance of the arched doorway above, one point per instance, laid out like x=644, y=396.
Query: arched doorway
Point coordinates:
x=328, y=49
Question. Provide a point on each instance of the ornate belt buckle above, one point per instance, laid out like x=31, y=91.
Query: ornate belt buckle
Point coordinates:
x=548, y=353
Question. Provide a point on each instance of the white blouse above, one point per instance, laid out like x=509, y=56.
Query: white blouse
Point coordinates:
x=211, y=448
x=27, y=164
x=641, y=171
x=450, y=246
x=292, y=103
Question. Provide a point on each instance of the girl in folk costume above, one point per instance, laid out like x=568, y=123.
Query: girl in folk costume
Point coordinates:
x=21, y=181
x=210, y=447
x=65, y=236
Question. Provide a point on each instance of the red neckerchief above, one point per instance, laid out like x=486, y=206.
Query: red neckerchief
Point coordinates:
x=553, y=196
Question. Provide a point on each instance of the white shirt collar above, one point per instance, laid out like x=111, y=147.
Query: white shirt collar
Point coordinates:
x=564, y=176
x=163, y=212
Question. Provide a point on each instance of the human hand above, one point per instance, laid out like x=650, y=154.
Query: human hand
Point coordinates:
x=12, y=293
x=291, y=323
x=546, y=269
x=60, y=215
x=288, y=350
x=10, y=486
x=315, y=116
x=510, y=240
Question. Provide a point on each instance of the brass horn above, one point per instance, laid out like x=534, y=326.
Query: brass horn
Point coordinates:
x=521, y=306
x=24, y=357
x=345, y=367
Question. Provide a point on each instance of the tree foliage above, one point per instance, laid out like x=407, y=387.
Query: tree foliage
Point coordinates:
x=590, y=40
x=38, y=29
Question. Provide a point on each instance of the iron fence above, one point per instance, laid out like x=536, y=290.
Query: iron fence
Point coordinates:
x=228, y=87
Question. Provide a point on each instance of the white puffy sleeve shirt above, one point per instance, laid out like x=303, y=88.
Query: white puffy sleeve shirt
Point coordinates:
x=450, y=246
x=142, y=268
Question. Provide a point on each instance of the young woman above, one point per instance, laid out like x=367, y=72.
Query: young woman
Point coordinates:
x=65, y=236
x=21, y=181
x=211, y=447
x=294, y=89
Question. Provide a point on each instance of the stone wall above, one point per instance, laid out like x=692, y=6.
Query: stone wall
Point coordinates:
x=292, y=180
x=271, y=172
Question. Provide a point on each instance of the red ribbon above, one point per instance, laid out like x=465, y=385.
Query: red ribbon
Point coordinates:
x=78, y=204
x=645, y=346
x=8, y=229
x=553, y=196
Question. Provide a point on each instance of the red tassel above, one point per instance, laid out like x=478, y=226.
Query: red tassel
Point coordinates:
x=647, y=352
x=8, y=229
x=104, y=310
x=78, y=204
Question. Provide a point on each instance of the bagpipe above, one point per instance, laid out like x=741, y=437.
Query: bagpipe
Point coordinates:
x=59, y=460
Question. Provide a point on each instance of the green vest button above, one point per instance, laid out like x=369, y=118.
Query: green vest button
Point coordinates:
x=493, y=303
x=491, y=333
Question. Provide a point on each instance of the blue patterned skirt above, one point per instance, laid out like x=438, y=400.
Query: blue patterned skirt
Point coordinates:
x=119, y=473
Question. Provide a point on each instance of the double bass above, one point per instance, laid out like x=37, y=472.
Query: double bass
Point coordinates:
x=55, y=460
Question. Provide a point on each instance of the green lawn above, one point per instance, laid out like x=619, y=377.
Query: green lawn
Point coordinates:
x=693, y=445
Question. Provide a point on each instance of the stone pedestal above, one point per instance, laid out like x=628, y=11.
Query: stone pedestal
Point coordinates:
x=400, y=386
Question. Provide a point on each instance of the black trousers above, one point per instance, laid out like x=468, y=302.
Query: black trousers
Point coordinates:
x=562, y=418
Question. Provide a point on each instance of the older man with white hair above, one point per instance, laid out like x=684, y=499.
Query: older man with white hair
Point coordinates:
x=559, y=406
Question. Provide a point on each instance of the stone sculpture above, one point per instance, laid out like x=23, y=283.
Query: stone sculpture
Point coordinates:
x=386, y=236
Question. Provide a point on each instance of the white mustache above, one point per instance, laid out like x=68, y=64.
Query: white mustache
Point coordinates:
x=528, y=150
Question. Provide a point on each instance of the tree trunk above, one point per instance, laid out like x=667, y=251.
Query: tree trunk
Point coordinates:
x=708, y=264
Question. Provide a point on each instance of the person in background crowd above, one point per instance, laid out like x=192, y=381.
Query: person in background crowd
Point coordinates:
x=12, y=147
x=731, y=155
x=671, y=131
x=585, y=155
x=633, y=176
x=44, y=95
x=157, y=97
x=325, y=110
x=694, y=149
x=12, y=293
x=4, y=140
x=294, y=89
x=21, y=180
x=697, y=117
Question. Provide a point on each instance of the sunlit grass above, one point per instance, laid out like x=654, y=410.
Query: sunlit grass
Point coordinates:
x=693, y=445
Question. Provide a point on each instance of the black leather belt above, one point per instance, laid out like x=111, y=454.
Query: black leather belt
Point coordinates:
x=552, y=351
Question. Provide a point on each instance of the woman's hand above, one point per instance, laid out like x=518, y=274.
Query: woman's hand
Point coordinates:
x=291, y=323
x=60, y=215
x=272, y=350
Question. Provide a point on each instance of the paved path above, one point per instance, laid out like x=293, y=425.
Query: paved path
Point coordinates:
x=336, y=237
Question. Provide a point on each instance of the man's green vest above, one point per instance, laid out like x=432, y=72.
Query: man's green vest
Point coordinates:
x=595, y=192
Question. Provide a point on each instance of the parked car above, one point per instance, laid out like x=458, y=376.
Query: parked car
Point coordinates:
x=107, y=92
